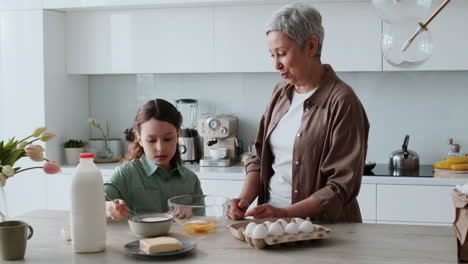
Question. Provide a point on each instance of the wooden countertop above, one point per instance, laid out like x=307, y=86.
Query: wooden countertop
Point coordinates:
x=348, y=243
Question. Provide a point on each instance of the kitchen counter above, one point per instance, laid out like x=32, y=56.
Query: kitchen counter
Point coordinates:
x=424, y=170
x=348, y=243
x=237, y=173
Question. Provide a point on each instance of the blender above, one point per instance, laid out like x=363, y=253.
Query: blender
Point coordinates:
x=188, y=137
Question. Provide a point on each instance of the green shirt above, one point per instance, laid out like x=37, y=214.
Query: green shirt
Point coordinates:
x=145, y=187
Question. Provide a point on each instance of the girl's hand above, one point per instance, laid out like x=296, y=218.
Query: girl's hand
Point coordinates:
x=266, y=211
x=237, y=209
x=116, y=209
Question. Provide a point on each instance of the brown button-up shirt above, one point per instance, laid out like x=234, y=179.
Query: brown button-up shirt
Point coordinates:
x=329, y=149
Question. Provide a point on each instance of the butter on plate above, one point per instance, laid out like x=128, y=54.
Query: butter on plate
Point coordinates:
x=160, y=245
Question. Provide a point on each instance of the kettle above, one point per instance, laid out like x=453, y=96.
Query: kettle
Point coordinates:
x=404, y=159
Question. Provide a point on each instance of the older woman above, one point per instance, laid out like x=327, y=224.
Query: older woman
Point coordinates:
x=312, y=140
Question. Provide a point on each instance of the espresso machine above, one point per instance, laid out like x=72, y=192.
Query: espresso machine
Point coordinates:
x=219, y=134
x=189, y=141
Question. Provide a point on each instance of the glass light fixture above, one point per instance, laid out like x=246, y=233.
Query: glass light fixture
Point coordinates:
x=402, y=11
x=396, y=38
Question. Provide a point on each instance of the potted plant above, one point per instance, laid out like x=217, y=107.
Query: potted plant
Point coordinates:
x=105, y=149
x=73, y=148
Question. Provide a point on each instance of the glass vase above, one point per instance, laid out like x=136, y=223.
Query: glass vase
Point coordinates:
x=3, y=205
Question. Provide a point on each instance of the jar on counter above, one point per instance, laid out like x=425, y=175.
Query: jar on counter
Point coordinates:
x=454, y=151
x=246, y=155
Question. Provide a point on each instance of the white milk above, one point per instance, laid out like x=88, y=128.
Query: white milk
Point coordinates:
x=88, y=213
x=154, y=219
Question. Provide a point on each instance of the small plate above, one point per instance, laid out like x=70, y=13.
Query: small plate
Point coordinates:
x=187, y=244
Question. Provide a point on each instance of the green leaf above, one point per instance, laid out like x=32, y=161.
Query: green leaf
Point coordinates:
x=3, y=154
x=14, y=156
x=11, y=143
x=6, y=152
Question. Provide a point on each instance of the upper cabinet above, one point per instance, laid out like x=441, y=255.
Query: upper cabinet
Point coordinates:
x=20, y=4
x=210, y=39
x=70, y=5
x=240, y=40
x=449, y=37
x=140, y=41
x=352, y=36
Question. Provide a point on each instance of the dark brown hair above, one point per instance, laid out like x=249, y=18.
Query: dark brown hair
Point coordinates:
x=158, y=109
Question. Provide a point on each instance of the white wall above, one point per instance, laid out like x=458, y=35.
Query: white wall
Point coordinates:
x=430, y=106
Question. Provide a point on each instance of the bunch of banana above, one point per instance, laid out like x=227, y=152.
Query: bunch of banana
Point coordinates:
x=453, y=163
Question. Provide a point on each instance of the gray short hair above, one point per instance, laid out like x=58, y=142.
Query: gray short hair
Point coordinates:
x=299, y=21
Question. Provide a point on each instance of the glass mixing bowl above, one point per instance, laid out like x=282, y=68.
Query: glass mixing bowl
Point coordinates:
x=199, y=213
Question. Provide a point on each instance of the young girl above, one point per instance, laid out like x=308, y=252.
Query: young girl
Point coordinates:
x=153, y=172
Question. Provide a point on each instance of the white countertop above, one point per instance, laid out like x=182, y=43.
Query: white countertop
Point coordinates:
x=237, y=173
x=348, y=243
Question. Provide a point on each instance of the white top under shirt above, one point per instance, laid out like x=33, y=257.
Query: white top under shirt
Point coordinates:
x=282, y=143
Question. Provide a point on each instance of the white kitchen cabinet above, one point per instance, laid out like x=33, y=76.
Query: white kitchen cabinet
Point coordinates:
x=21, y=72
x=449, y=37
x=352, y=36
x=58, y=191
x=367, y=202
x=226, y=188
x=164, y=40
x=32, y=56
x=232, y=189
x=101, y=4
x=59, y=188
x=239, y=37
x=20, y=4
x=210, y=39
x=240, y=40
x=29, y=79
x=418, y=204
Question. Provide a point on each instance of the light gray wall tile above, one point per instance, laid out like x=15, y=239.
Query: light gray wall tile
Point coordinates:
x=430, y=106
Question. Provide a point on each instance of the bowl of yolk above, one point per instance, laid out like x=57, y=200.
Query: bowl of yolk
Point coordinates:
x=199, y=213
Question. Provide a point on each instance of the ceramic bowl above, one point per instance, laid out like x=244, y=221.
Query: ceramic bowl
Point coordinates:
x=218, y=153
x=199, y=213
x=154, y=224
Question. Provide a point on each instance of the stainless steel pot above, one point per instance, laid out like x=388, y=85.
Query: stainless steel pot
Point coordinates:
x=404, y=159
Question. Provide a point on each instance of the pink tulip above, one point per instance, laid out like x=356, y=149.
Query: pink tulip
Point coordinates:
x=51, y=167
x=35, y=152
x=31, y=149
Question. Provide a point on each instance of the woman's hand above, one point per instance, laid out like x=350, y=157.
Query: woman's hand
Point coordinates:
x=116, y=209
x=266, y=211
x=237, y=209
x=182, y=212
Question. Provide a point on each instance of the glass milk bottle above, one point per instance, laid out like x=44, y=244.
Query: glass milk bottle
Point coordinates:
x=87, y=214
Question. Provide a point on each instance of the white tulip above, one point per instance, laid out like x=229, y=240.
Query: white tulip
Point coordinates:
x=8, y=171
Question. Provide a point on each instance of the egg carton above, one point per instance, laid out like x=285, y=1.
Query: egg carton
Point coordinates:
x=238, y=231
